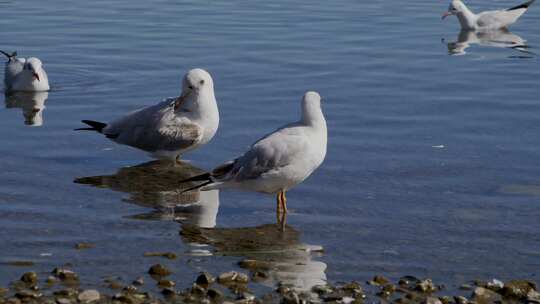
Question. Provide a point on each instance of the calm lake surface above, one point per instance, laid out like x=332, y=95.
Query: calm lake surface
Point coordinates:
x=433, y=159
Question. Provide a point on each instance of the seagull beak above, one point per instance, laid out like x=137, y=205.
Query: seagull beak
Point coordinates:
x=35, y=75
x=446, y=14
x=181, y=99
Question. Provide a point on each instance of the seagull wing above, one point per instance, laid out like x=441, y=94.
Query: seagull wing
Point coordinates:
x=270, y=154
x=13, y=67
x=502, y=18
x=155, y=128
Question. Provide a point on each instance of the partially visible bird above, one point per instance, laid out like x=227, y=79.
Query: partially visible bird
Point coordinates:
x=172, y=127
x=278, y=161
x=26, y=75
x=489, y=20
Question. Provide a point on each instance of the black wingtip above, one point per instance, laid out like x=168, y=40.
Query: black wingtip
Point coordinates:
x=524, y=5
x=95, y=126
x=9, y=56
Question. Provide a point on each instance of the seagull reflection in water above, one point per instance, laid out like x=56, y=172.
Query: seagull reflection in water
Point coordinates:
x=272, y=255
x=494, y=38
x=32, y=105
x=155, y=185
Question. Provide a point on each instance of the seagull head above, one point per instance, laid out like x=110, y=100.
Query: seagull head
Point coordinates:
x=34, y=67
x=311, y=107
x=196, y=82
x=312, y=99
x=455, y=7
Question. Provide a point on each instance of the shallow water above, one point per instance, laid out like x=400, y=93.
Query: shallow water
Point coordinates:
x=432, y=162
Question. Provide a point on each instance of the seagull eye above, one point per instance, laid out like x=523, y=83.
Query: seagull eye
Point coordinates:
x=190, y=87
x=201, y=82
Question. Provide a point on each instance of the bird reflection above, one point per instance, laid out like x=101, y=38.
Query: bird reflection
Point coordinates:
x=32, y=105
x=155, y=185
x=495, y=38
x=271, y=254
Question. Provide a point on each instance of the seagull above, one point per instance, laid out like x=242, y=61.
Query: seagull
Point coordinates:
x=490, y=20
x=278, y=161
x=172, y=127
x=25, y=75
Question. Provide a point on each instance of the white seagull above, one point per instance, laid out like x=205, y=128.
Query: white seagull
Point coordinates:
x=278, y=161
x=490, y=20
x=25, y=75
x=172, y=127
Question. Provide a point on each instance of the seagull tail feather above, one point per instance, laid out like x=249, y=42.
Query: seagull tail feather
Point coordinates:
x=9, y=56
x=95, y=126
x=524, y=5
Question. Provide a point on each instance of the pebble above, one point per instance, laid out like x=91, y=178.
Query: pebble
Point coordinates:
x=426, y=286
x=518, y=289
x=460, y=300
x=89, y=296
x=214, y=294
x=378, y=280
x=138, y=282
x=30, y=278
x=204, y=280
x=483, y=295
x=159, y=270
x=432, y=300
x=63, y=301
x=65, y=274
x=166, y=283
x=232, y=277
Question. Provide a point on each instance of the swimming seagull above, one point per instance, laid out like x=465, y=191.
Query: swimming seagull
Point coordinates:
x=172, y=127
x=489, y=20
x=278, y=161
x=26, y=75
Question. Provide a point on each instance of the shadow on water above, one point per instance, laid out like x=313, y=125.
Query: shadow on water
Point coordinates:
x=271, y=254
x=156, y=185
x=31, y=103
x=496, y=38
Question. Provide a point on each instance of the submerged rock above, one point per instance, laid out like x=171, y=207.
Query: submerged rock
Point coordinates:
x=81, y=246
x=168, y=255
x=159, y=270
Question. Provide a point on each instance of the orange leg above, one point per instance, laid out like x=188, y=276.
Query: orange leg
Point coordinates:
x=283, y=201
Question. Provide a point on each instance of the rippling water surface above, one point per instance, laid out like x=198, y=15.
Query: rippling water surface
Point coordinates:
x=433, y=159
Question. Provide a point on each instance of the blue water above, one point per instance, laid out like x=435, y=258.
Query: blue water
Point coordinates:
x=426, y=149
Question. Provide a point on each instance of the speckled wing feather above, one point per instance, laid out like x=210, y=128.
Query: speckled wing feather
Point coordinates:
x=155, y=128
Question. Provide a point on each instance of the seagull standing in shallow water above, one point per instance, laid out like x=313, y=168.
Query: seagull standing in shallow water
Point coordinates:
x=172, y=127
x=278, y=161
x=490, y=20
x=24, y=75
